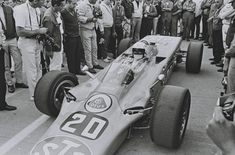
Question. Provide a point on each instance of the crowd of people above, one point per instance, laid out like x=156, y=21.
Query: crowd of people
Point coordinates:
x=34, y=34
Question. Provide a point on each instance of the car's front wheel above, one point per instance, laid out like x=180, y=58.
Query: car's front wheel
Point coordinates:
x=194, y=57
x=49, y=91
x=170, y=116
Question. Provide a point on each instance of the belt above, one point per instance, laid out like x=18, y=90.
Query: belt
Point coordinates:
x=31, y=37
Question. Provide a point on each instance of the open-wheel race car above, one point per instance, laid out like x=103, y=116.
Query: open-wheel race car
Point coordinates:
x=95, y=117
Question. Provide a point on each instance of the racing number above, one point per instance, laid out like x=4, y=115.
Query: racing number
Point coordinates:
x=78, y=118
x=85, y=125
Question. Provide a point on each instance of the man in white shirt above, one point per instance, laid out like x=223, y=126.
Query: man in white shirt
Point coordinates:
x=27, y=21
x=197, y=19
x=107, y=17
x=137, y=19
x=88, y=35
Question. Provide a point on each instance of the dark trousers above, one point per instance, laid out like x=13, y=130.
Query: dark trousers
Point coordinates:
x=218, y=48
x=107, y=38
x=159, y=26
x=146, y=27
x=166, y=23
x=174, y=24
x=100, y=47
x=2, y=80
x=205, y=27
x=73, y=50
x=196, y=25
x=188, y=18
x=119, y=32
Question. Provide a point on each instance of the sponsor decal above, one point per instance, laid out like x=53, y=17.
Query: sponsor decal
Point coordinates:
x=60, y=145
x=98, y=103
x=85, y=125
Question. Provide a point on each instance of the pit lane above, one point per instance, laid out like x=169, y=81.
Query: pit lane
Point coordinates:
x=21, y=129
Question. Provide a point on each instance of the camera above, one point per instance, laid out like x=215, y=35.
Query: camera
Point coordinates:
x=97, y=13
x=228, y=107
x=48, y=42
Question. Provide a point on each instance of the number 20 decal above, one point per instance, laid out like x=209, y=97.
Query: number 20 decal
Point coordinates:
x=85, y=125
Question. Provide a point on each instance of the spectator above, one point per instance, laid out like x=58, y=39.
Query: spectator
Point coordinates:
x=119, y=17
x=167, y=6
x=230, y=54
x=197, y=19
x=71, y=37
x=107, y=18
x=27, y=21
x=226, y=14
x=149, y=13
x=52, y=21
x=218, y=48
x=88, y=34
x=176, y=14
x=213, y=9
x=157, y=21
x=205, y=6
x=188, y=17
x=3, y=103
x=222, y=132
x=8, y=24
x=137, y=19
x=129, y=9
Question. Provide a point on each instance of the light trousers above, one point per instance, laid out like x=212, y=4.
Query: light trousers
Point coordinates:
x=11, y=50
x=30, y=49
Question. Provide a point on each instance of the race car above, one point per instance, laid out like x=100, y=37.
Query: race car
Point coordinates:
x=95, y=117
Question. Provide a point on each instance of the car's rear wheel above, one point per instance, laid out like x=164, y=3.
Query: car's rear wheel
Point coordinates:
x=124, y=45
x=170, y=116
x=194, y=57
x=49, y=91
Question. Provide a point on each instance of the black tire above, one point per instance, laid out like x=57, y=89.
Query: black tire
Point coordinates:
x=124, y=45
x=48, y=95
x=170, y=117
x=194, y=57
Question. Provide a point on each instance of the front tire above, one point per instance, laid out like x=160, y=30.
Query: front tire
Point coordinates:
x=170, y=116
x=194, y=57
x=49, y=91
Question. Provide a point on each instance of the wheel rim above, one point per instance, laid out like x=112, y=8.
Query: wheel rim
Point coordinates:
x=59, y=93
x=184, y=119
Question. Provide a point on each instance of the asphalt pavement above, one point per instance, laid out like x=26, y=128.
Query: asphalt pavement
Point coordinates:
x=21, y=129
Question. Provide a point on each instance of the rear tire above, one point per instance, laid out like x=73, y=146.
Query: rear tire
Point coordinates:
x=124, y=45
x=194, y=57
x=49, y=95
x=170, y=116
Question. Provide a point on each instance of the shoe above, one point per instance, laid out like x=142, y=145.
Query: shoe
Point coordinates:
x=98, y=67
x=206, y=44
x=109, y=58
x=91, y=70
x=11, y=88
x=80, y=73
x=219, y=64
x=220, y=70
x=211, y=59
x=8, y=108
x=196, y=38
x=209, y=46
x=21, y=85
x=106, y=60
x=213, y=62
x=188, y=39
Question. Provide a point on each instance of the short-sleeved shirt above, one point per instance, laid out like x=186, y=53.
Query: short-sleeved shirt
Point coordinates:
x=27, y=16
x=189, y=6
x=167, y=5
